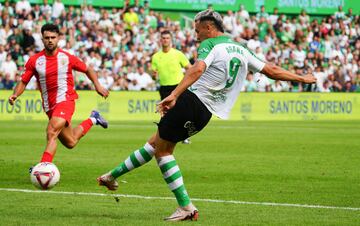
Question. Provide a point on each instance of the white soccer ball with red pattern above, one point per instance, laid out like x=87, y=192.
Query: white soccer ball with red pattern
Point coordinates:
x=45, y=175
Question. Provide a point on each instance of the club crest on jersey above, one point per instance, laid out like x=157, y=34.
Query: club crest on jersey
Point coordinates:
x=40, y=62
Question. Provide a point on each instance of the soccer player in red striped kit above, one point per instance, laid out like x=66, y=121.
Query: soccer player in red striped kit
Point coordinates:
x=52, y=68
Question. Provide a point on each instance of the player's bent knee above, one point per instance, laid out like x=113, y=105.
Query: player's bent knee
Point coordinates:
x=70, y=144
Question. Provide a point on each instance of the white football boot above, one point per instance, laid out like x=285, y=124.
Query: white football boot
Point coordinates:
x=108, y=181
x=184, y=213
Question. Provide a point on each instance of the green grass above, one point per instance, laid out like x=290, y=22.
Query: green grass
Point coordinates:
x=314, y=163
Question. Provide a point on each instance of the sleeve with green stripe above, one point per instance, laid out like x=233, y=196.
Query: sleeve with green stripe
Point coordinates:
x=206, y=52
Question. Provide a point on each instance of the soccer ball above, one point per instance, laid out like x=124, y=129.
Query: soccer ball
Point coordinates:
x=45, y=175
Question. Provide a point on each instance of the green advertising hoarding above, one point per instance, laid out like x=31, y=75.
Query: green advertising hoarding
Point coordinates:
x=284, y=6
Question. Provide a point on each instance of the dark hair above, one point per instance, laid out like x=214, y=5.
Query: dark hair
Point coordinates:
x=217, y=23
x=165, y=32
x=50, y=27
x=210, y=15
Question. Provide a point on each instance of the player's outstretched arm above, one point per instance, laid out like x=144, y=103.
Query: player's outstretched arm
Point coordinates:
x=19, y=89
x=191, y=75
x=90, y=73
x=278, y=73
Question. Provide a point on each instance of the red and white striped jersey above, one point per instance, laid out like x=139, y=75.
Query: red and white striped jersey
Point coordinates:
x=54, y=76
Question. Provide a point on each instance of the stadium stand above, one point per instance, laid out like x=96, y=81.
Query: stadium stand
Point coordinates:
x=118, y=42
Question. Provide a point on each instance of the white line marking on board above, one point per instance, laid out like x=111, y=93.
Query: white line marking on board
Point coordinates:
x=194, y=199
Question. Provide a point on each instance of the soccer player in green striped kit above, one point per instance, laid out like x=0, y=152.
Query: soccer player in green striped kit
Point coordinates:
x=210, y=86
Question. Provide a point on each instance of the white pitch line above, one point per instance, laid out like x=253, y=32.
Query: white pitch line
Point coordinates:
x=194, y=199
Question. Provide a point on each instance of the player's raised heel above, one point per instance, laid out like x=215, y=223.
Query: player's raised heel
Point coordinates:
x=194, y=216
x=108, y=181
x=99, y=119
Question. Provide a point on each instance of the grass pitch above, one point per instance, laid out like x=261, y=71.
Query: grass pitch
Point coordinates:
x=313, y=163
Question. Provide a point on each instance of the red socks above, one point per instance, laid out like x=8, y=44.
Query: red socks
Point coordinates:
x=47, y=157
x=86, y=125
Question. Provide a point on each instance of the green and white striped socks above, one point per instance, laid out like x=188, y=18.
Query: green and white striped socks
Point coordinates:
x=136, y=159
x=174, y=179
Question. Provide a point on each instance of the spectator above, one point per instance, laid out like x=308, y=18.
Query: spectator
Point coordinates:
x=229, y=21
x=253, y=43
x=349, y=87
x=259, y=53
x=326, y=87
x=315, y=45
x=57, y=9
x=9, y=68
x=120, y=84
x=29, y=22
x=90, y=14
x=133, y=83
x=131, y=18
x=152, y=20
x=263, y=26
x=277, y=87
x=8, y=8
x=263, y=82
x=7, y=82
x=144, y=80
x=337, y=53
x=340, y=14
x=249, y=84
x=350, y=16
x=105, y=78
x=46, y=9
x=17, y=55
x=304, y=18
x=321, y=77
x=242, y=15
x=238, y=29
x=105, y=22
x=23, y=7
x=262, y=13
x=274, y=17
x=82, y=84
x=299, y=56
x=29, y=41
x=287, y=35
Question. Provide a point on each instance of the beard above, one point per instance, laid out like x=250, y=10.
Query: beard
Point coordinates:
x=50, y=48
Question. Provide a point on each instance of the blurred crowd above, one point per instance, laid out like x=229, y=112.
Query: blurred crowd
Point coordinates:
x=118, y=43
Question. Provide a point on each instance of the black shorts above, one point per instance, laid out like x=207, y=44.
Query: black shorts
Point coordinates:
x=165, y=91
x=186, y=118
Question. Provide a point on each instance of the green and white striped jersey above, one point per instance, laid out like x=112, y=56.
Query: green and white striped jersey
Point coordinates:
x=227, y=64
